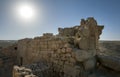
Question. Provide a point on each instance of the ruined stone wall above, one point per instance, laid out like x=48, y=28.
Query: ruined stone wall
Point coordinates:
x=71, y=53
x=33, y=50
x=66, y=31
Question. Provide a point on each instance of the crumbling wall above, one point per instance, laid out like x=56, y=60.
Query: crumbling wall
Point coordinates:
x=33, y=50
x=71, y=53
x=66, y=31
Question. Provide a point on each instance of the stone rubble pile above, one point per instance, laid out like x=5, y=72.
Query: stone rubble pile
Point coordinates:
x=22, y=72
x=40, y=69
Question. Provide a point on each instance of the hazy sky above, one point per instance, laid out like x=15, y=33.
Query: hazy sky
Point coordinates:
x=51, y=14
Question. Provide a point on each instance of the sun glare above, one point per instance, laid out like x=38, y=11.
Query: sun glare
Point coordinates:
x=26, y=11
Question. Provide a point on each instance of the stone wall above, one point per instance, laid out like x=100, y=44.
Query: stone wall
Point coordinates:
x=71, y=53
x=32, y=50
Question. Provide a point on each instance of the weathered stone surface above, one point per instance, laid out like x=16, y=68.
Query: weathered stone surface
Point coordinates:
x=110, y=62
x=71, y=45
x=30, y=76
x=22, y=72
x=71, y=71
x=83, y=55
x=90, y=64
x=66, y=31
x=88, y=34
x=69, y=54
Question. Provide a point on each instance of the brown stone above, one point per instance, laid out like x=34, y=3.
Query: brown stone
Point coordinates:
x=63, y=51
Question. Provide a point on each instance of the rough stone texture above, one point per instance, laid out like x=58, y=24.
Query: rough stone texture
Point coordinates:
x=71, y=53
x=88, y=34
x=22, y=72
x=109, y=55
x=41, y=69
x=110, y=62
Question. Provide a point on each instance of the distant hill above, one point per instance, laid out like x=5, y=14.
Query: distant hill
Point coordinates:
x=6, y=43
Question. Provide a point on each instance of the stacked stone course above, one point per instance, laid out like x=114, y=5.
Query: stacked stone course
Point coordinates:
x=71, y=53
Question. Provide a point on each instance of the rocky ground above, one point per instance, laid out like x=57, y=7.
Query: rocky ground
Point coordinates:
x=110, y=54
x=110, y=48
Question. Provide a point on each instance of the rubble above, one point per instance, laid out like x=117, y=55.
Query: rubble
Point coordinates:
x=70, y=53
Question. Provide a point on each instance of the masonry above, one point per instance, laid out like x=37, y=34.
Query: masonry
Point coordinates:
x=71, y=53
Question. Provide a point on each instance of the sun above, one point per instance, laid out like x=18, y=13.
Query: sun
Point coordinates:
x=26, y=11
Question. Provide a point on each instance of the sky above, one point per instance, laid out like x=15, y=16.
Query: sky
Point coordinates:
x=51, y=14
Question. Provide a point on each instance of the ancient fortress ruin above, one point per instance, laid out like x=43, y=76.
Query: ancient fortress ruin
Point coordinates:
x=71, y=53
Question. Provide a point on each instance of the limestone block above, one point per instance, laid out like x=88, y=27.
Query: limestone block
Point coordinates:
x=22, y=72
x=82, y=55
x=63, y=50
x=59, y=51
x=67, y=55
x=71, y=71
x=30, y=76
x=83, y=44
x=90, y=64
x=73, y=55
x=72, y=60
x=63, y=58
x=61, y=63
x=68, y=50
